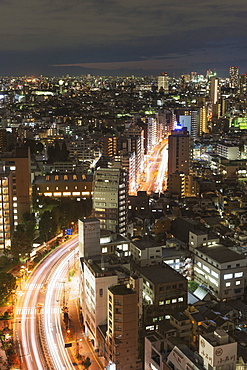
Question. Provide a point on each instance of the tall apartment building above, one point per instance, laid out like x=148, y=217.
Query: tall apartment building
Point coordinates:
x=163, y=82
x=110, y=199
x=6, y=210
x=122, y=333
x=95, y=282
x=109, y=146
x=243, y=83
x=214, y=89
x=20, y=166
x=179, y=152
x=234, y=77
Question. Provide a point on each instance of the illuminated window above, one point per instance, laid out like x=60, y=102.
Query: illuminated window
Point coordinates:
x=238, y=274
x=174, y=300
x=56, y=177
x=228, y=284
x=65, y=177
x=228, y=276
x=47, y=188
x=74, y=177
x=238, y=282
x=104, y=250
x=215, y=274
x=161, y=303
x=180, y=299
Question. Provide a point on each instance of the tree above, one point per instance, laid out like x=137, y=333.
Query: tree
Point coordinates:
x=7, y=284
x=47, y=226
x=86, y=363
x=21, y=242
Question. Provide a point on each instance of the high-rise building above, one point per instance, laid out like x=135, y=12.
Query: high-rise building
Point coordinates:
x=6, y=210
x=89, y=237
x=110, y=199
x=179, y=152
x=163, y=82
x=214, y=89
x=203, y=120
x=95, y=281
x=195, y=123
x=109, y=146
x=122, y=333
x=243, y=83
x=234, y=77
x=20, y=166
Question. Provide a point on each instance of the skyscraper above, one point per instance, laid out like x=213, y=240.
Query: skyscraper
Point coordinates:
x=214, y=89
x=110, y=190
x=163, y=82
x=179, y=150
x=20, y=166
x=234, y=77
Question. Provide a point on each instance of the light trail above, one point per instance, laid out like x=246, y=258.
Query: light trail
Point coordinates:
x=27, y=333
x=162, y=170
x=52, y=321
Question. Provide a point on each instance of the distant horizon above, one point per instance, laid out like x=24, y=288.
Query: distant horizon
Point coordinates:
x=83, y=72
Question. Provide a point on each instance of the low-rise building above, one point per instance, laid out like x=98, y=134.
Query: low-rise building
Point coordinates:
x=221, y=270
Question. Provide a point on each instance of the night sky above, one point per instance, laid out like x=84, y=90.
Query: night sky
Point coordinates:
x=113, y=37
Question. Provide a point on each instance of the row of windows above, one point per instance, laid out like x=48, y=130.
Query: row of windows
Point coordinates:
x=236, y=275
x=174, y=300
x=65, y=177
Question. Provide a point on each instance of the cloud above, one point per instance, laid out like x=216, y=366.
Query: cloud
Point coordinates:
x=72, y=32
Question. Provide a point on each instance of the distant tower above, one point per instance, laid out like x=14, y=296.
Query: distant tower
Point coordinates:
x=179, y=151
x=214, y=89
x=234, y=77
x=243, y=83
x=163, y=82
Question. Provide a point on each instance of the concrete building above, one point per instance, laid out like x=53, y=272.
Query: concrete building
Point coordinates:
x=20, y=166
x=110, y=199
x=95, y=282
x=163, y=82
x=182, y=357
x=89, y=237
x=179, y=152
x=163, y=290
x=228, y=151
x=234, y=77
x=6, y=210
x=218, y=350
x=122, y=333
x=155, y=346
x=66, y=185
x=220, y=269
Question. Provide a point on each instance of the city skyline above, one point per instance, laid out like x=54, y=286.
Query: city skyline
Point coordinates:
x=115, y=38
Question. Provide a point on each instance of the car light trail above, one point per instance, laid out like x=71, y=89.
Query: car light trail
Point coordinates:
x=27, y=333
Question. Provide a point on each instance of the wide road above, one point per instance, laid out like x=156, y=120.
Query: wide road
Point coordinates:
x=34, y=310
x=156, y=170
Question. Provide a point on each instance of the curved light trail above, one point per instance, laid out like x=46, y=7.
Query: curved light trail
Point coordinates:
x=52, y=321
x=27, y=333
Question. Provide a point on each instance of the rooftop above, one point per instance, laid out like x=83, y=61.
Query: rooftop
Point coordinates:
x=220, y=253
x=159, y=274
x=121, y=289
